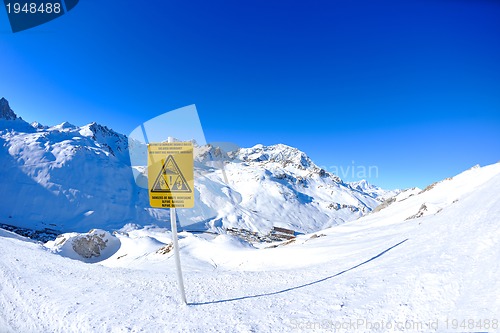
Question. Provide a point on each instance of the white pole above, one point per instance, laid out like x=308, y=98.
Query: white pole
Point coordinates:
x=173, y=223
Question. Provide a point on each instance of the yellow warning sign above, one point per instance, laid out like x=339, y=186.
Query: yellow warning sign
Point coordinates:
x=171, y=175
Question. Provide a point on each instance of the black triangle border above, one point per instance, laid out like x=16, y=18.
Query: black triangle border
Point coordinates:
x=180, y=174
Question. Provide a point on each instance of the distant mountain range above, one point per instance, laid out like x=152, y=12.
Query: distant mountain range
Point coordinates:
x=70, y=178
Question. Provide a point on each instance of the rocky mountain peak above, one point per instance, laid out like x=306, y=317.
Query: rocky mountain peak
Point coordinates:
x=276, y=153
x=37, y=125
x=104, y=131
x=115, y=143
x=210, y=152
x=5, y=110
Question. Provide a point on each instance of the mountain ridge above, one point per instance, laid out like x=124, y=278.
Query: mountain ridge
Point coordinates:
x=72, y=178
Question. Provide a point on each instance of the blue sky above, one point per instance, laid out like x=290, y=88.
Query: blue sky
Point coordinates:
x=411, y=87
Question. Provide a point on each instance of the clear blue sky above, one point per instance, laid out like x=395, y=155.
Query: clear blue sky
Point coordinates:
x=412, y=87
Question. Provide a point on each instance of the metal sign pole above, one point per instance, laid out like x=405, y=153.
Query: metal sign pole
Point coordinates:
x=173, y=223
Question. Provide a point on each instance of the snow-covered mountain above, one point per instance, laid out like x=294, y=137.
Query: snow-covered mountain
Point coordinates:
x=277, y=186
x=372, y=190
x=404, y=268
x=71, y=178
x=65, y=177
x=423, y=260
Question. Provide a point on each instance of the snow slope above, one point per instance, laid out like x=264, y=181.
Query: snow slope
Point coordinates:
x=430, y=273
x=70, y=178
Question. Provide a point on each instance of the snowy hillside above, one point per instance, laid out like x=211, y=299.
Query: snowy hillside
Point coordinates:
x=403, y=268
x=65, y=177
x=71, y=178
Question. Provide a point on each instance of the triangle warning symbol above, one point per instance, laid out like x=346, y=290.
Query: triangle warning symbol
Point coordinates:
x=170, y=179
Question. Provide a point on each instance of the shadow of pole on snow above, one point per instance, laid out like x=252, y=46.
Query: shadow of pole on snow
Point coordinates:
x=301, y=286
